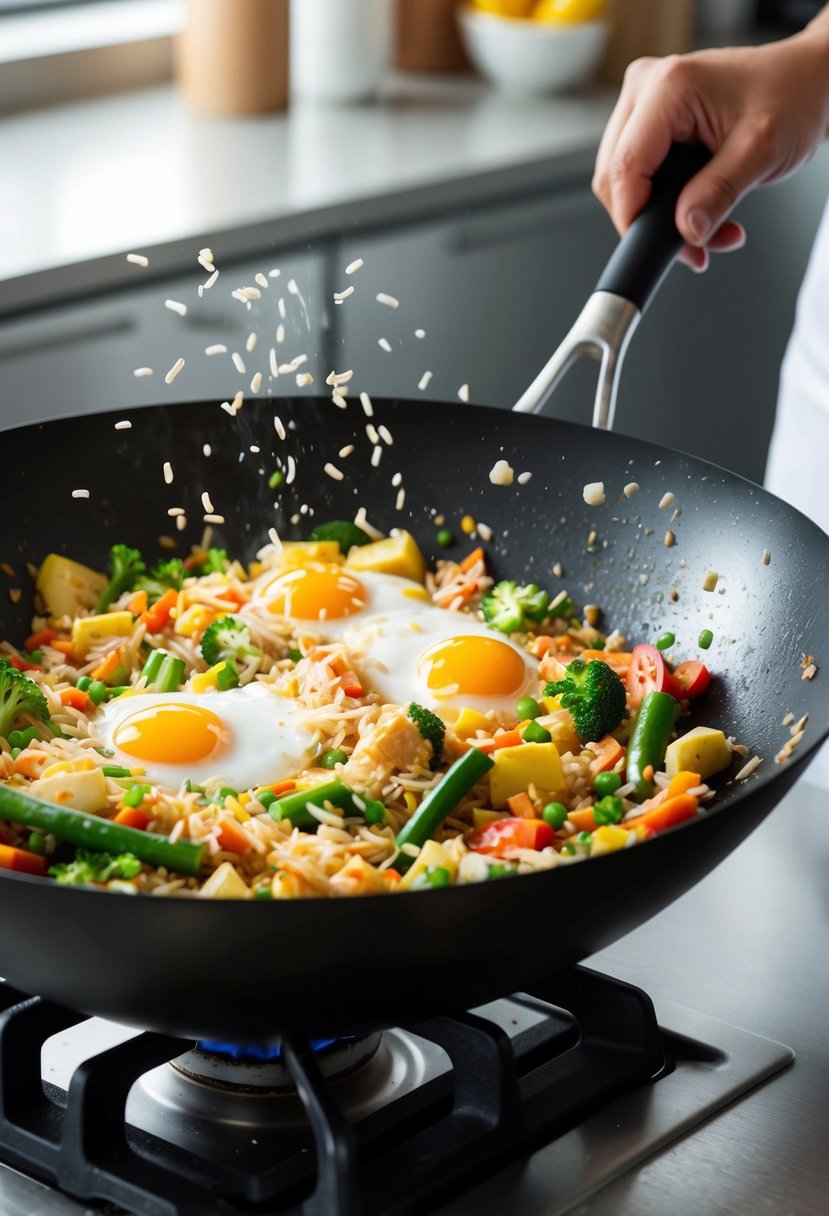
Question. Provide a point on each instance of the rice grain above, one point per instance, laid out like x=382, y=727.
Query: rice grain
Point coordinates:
x=140, y=372
x=175, y=306
x=218, y=348
x=174, y=371
x=354, y=266
x=138, y=259
x=387, y=300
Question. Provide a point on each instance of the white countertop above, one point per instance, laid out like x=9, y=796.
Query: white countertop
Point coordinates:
x=102, y=177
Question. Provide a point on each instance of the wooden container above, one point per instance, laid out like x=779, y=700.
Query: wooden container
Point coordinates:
x=233, y=56
x=647, y=27
x=427, y=37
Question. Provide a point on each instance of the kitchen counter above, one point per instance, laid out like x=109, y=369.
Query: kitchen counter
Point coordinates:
x=94, y=179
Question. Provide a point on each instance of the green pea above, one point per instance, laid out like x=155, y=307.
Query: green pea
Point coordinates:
x=608, y=810
x=568, y=850
x=22, y=738
x=276, y=479
x=36, y=843
x=228, y=792
x=665, y=641
x=135, y=795
x=584, y=839
x=36, y=656
x=527, y=707
x=266, y=798
x=705, y=639
x=262, y=891
x=607, y=783
x=97, y=692
x=555, y=814
x=502, y=869
x=332, y=758
x=294, y=655
x=536, y=734
x=445, y=538
x=83, y=683
x=438, y=876
x=374, y=813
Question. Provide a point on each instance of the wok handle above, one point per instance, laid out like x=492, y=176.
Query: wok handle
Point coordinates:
x=647, y=251
x=640, y=262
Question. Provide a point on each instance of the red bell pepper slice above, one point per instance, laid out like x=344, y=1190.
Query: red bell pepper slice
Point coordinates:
x=693, y=678
x=503, y=834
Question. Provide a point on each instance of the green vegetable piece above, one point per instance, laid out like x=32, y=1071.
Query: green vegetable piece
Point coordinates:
x=215, y=561
x=36, y=657
x=568, y=850
x=97, y=692
x=652, y=729
x=295, y=806
x=228, y=676
x=445, y=539
x=36, y=843
x=527, y=707
x=99, y=834
x=16, y=752
x=705, y=639
x=117, y=690
x=18, y=695
x=598, y=644
x=585, y=839
x=150, y=669
x=227, y=638
x=374, y=813
x=115, y=770
x=608, y=810
x=593, y=550
x=594, y=695
x=534, y=733
x=502, y=869
x=332, y=758
x=295, y=655
x=84, y=683
x=90, y=867
x=126, y=567
x=431, y=728
x=227, y=791
x=22, y=738
x=163, y=576
x=437, y=876
x=562, y=607
x=555, y=813
x=262, y=890
x=509, y=606
x=441, y=801
x=266, y=798
x=170, y=676
x=135, y=795
x=665, y=641
x=276, y=479
x=347, y=535
x=607, y=783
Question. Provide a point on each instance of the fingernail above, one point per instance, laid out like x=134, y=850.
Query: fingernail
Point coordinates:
x=700, y=224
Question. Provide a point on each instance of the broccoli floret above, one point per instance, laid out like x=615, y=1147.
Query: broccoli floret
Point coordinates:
x=431, y=728
x=227, y=638
x=163, y=576
x=214, y=561
x=94, y=868
x=18, y=695
x=594, y=695
x=510, y=606
x=126, y=567
x=346, y=534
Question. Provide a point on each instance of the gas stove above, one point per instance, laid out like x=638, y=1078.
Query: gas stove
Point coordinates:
x=572, y=1085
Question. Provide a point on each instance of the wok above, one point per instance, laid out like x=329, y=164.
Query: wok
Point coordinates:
x=247, y=972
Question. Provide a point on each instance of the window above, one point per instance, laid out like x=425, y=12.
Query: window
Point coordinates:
x=25, y=6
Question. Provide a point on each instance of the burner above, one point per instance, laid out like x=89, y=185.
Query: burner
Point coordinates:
x=262, y=1069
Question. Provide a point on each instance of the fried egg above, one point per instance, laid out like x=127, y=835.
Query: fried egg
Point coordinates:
x=327, y=599
x=246, y=736
x=440, y=659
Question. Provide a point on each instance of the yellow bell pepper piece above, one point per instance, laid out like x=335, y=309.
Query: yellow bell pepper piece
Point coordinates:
x=302, y=552
x=88, y=631
x=205, y=680
x=470, y=721
x=702, y=750
x=515, y=768
x=608, y=839
x=193, y=621
x=394, y=555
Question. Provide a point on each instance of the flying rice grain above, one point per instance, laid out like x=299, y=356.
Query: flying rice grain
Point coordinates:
x=485, y=532
x=463, y=393
x=206, y=448
x=387, y=300
x=304, y=379
x=138, y=259
x=283, y=311
x=206, y=502
x=401, y=498
x=339, y=296
x=334, y=379
x=168, y=473
x=593, y=493
x=375, y=456
x=238, y=401
x=630, y=489
x=424, y=381
x=228, y=408
x=385, y=345
x=181, y=523
x=332, y=471
x=256, y=382
x=80, y=493
x=766, y=557
x=667, y=500
x=278, y=427
x=208, y=283
x=365, y=402
x=140, y=372
x=291, y=471
x=261, y=280
x=501, y=473
x=123, y=425
x=250, y=293
x=174, y=511
x=272, y=363
x=385, y=435
x=354, y=266
x=214, y=519
x=175, y=306
x=523, y=478
x=218, y=348
x=250, y=343
x=174, y=371
x=397, y=479
x=420, y=333
x=371, y=433
x=238, y=363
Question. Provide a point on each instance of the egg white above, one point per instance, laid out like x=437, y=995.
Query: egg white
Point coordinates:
x=262, y=741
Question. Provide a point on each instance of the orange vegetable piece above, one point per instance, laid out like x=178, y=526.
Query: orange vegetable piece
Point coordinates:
x=455, y=593
x=280, y=787
x=682, y=782
x=608, y=753
x=76, y=698
x=156, y=618
x=108, y=669
x=472, y=559
x=232, y=837
x=30, y=764
x=232, y=596
x=21, y=860
x=542, y=645
x=509, y=738
x=64, y=646
x=583, y=821
x=667, y=815
x=137, y=603
x=521, y=805
x=132, y=817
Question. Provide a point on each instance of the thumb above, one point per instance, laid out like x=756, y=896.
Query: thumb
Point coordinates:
x=743, y=161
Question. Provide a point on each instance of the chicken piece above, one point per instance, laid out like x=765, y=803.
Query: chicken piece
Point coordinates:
x=552, y=668
x=394, y=746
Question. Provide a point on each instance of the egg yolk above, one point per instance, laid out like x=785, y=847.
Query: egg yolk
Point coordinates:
x=474, y=666
x=171, y=734
x=317, y=593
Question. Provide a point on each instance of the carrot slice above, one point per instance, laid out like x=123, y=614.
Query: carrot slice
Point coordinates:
x=64, y=646
x=510, y=738
x=233, y=838
x=42, y=638
x=583, y=821
x=472, y=559
x=618, y=660
x=462, y=593
x=542, y=645
x=521, y=805
x=107, y=671
x=76, y=698
x=21, y=860
x=132, y=817
x=156, y=618
x=671, y=812
x=682, y=782
x=608, y=752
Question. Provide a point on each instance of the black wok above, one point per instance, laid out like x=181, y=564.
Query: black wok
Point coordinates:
x=245, y=972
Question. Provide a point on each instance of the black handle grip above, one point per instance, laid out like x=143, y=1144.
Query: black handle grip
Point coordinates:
x=647, y=251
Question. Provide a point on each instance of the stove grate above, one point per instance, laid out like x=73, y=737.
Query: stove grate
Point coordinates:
x=502, y=1097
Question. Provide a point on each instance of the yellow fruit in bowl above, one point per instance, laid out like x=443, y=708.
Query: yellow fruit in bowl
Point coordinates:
x=504, y=8
x=569, y=10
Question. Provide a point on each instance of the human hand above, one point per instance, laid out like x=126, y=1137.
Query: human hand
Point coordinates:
x=761, y=112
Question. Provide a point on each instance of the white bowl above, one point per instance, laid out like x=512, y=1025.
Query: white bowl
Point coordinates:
x=531, y=57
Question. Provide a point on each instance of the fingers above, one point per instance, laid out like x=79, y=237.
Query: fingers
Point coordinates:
x=748, y=156
x=728, y=237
